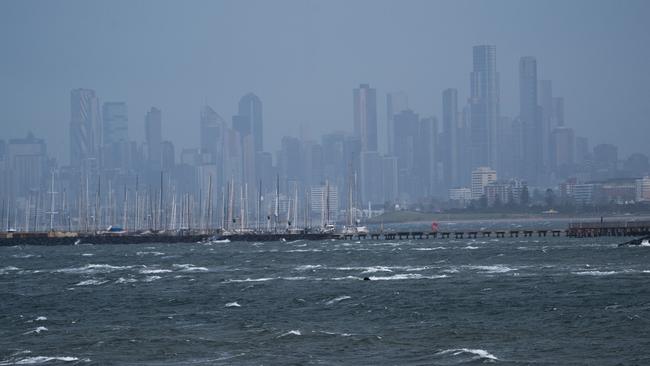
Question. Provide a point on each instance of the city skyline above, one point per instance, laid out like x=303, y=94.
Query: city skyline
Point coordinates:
x=598, y=87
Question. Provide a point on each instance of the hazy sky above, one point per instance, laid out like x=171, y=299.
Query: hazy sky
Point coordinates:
x=303, y=58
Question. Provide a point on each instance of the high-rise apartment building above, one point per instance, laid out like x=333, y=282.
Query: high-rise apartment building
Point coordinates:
x=481, y=177
x=365, y=117
x=484, y=106
x=212, y=129
x=250, y=108
x=115, y=145
x=153, y=134
x=85, y=128
x=450, y=144
x=530, y=118
x=395, y=103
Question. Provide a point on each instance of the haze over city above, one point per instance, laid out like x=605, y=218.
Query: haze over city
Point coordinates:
x=331, y=182
x=303, y=58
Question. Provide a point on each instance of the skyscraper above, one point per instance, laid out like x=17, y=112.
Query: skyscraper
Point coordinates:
x=546, y=116
x=116, y=122
x=212, y=129
x=407, y=135
x=395, y=103
x=530, y=119
x=153, y=134
x=250, y=108
x=450, y=142
x=85, y=127
x=115, y=145
x=484, y=106
x=365, y=117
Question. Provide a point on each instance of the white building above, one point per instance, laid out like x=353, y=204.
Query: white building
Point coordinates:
x=481, y=177
x=322, y=198
x=643, y=189
x=460, y=194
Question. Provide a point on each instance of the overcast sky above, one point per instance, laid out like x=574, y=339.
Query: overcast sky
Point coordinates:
x=303, y=58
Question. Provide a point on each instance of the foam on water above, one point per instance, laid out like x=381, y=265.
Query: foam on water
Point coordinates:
x=91, y=282
x=233, y=304
x=40, y=318
x=428, y=249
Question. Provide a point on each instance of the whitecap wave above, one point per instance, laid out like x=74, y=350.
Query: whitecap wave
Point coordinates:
x=595, y=273
x=5, y=270
x=24, y=256
x=497, y=268
x=151, y=278
x=153, y=270
x=233, y=304
x=190, y=268
x=469, y=247
x=150, y=253
x=291, y=332
x=377, y=269
x=407, y=276
x=250, y=280
x=433, y=248
x=336, y=334
x=91, y=282
x=40, y=318
x=43, y=359
x=472, y=354
x=93, y=268
x=307, y=267
x=125, y=280
x=338, y=299
x=38, y=330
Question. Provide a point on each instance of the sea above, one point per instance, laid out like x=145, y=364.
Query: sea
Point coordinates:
x=510, y=301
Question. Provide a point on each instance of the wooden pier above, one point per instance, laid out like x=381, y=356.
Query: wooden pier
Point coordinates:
x=608, y=228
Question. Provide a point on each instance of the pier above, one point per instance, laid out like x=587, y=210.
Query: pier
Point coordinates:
x=608, y=228
x=574, y=230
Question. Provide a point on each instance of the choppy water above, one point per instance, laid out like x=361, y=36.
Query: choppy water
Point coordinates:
x=540, y=301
